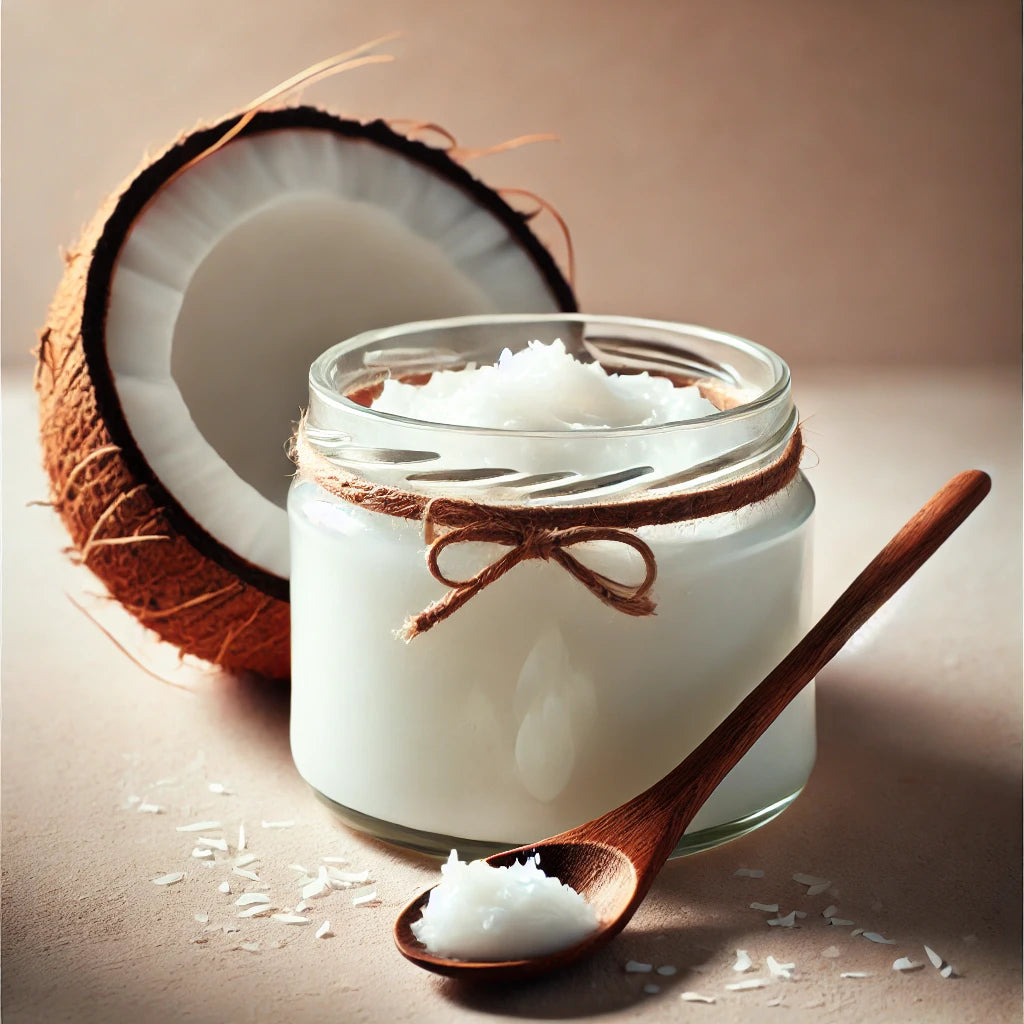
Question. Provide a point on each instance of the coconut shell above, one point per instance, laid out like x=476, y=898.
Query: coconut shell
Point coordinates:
x=154, y=559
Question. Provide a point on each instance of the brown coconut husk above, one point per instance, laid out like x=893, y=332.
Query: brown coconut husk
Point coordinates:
x=189, y=588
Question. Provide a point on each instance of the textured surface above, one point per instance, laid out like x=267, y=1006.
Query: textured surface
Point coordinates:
x=913, y=811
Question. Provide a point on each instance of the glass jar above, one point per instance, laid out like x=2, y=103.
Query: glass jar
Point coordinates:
x=535, y=706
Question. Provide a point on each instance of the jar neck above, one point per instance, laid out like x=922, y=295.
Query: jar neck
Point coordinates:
x=552, y=467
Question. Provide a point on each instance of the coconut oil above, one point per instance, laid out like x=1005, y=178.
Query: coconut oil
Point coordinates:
x=536, y=707
x=513, y=912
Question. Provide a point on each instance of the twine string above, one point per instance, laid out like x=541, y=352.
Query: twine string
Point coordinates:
x=524, y=544
x=545, y=532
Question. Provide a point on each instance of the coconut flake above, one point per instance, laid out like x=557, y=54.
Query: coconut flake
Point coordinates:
x=936, y=960
x=856, y=974
x=748, y=873
x=696, y=997
x=171, y=879
x=666, y=970
x=948, y=972
x=789, y=921
x=856, y=931
x=257, y=911
x=214, y=844
x=248, y=898
x=225, y=887
x=740, y=986
x=201, y=918
x=199, y=940
x=298, y=867
x=810, y=880
x=290, y=918
x=875, y=937
x=198, y=826
x=830, y=951
x=774, y=1002
x=638, y=967
x=150, y=809
x=246, y=873
x=314, y=888
x=817, y=890
x=839, y=922
x=351, y=877
x=904, y=963
x=220, y=788
x=324, y=931
x=651, y=989
x=200, y=852
x=743, y=961
x=361, y=901
x=278, y=824
x=245, y=860
x=771, y=908
x=779, y=970
x=248, y=947
x=829, y=911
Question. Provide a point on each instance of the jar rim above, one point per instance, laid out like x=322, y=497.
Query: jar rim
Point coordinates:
x=322, y=386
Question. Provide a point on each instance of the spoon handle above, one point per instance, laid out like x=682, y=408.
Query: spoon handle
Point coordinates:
x=664, y=810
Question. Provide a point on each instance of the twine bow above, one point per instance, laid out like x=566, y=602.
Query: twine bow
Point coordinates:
x=527, y=543
x=543, y=532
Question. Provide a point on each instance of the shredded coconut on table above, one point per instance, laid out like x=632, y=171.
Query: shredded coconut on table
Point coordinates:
x=904, y=963
x=171, y=879
x=743, y=961
x=742, y=986
x=778, y=970
x=696, y=997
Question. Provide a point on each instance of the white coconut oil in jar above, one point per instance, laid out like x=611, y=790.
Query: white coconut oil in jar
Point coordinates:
x=542, y=700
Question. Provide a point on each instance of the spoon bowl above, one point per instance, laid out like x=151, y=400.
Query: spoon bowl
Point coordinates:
x=603, y=875
x=613, y=860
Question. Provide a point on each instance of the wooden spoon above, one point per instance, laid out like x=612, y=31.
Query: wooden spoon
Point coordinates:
x=612, y=860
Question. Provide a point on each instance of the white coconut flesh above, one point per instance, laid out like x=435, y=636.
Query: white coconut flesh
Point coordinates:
x=245, y=268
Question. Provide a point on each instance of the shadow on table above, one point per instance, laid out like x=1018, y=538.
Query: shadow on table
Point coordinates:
x=600, y=985
x=901, y=798
x=253, y=710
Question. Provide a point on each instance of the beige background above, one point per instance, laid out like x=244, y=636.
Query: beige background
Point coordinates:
x=836, y=178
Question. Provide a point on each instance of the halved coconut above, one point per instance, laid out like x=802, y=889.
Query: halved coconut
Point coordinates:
x=175, y=356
